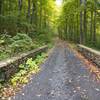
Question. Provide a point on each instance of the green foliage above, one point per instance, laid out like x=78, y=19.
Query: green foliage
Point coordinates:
x=3, y=55
x=31, y=66
x=8, y=24
x=22, y=18
x=5, y=39
x=18, y=78
x=44, y=36
x=0, y=85
x=21, y=42
x=13, y=45
x=11, y=25
x=40, y=58
x=80, y=22
x=9, y=46
x=35, y=21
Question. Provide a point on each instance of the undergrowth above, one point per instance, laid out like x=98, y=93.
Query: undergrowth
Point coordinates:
x=22, y=76
x=21, y=42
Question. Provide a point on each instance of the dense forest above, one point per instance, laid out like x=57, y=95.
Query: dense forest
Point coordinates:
x=25, y=15
x=48, y=44
x=27, y=24
x=80, y=22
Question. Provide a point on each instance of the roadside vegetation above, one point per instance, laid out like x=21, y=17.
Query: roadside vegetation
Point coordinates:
x=79, y=22
x=25, y=25
x=29, y=24
x=21, y=42
x=22, y=77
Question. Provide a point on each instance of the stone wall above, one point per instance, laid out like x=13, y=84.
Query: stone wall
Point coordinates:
x=10, y=66
x=91, y=54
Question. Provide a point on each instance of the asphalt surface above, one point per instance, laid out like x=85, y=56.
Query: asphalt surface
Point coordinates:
x=63, y=76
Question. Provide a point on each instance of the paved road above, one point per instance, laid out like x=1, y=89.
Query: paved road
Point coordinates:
x=63, y=77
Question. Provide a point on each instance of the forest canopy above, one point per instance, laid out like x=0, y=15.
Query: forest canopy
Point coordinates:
x=25, y=25
x=25, y=15
x=39, y=21
x=79, y=21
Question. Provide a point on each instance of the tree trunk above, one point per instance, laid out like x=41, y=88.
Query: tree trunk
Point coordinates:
x=45, y=19
x=94, y=33
x=9, y=7
x=40, y=14
x=33, y=13
x=77, y=17
x=91, y=26
x=19, y=13
x=20, y=6
x=0, y=7
x=29, y=12
x=81, y=25
x=85, y=21
x=66, y=27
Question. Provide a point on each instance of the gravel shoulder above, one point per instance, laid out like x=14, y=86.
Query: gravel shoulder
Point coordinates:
x=63, y=76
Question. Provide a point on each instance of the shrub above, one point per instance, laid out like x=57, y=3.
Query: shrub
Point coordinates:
x=8, y=23
x=44, y=36
x=5, y=39
x=12, y=24
x=21, y=42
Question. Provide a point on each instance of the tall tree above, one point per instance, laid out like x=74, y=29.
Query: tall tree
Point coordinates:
x=91, y=26
x=95, y=14
x=20, y=6
x=0, y=7
x=40, y=15
x=81, y=24
x=85, y=19
x=29, y=11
